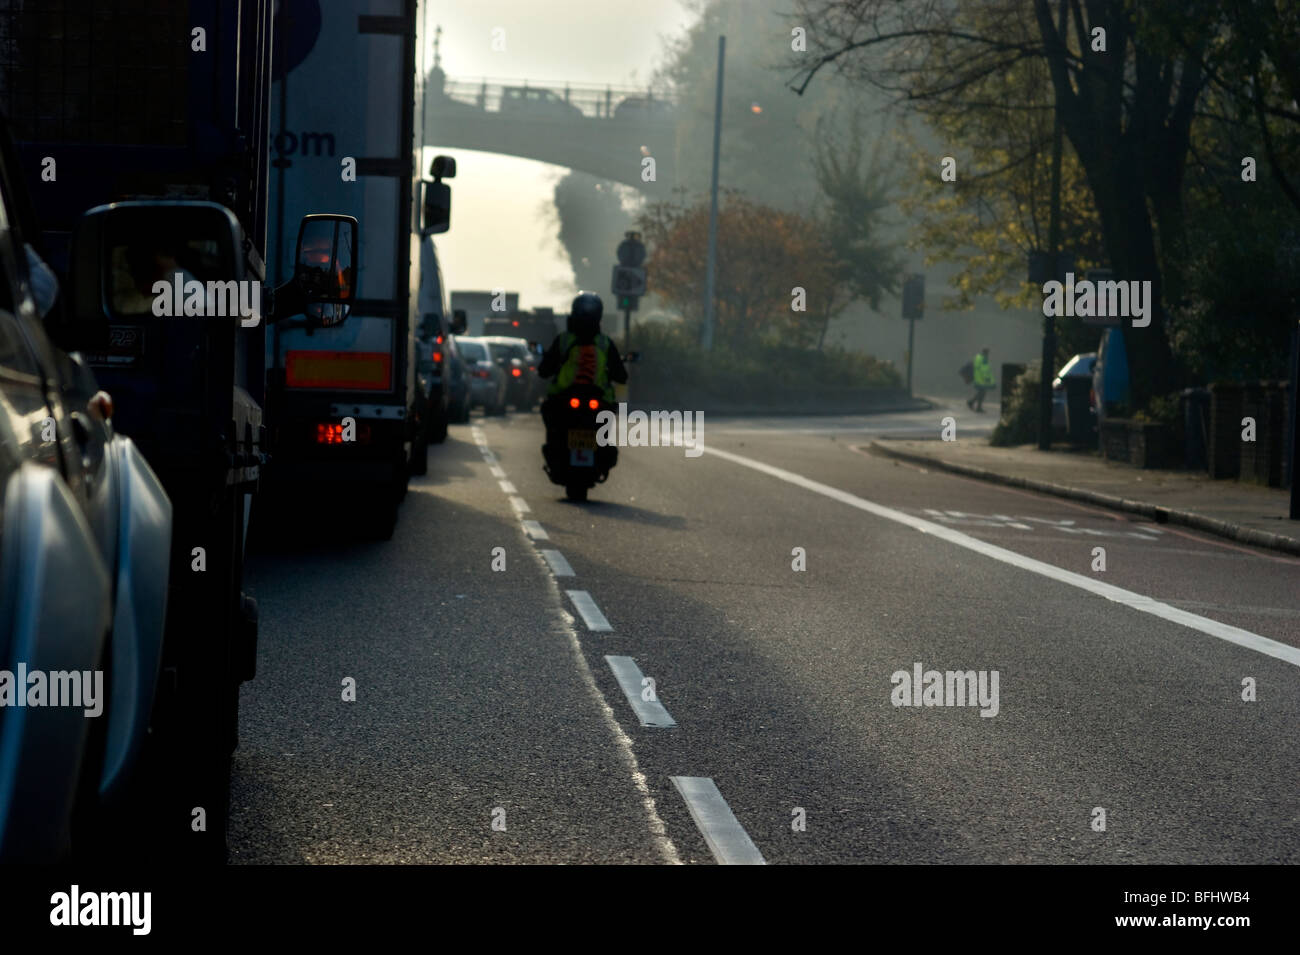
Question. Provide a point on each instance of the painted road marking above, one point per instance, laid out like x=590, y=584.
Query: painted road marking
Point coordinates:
x=588, y=611
x=726, y=837
x=507, y=487
x=1229, y=634
x=559, y=566
x=631, y=679
x=496, y=472
x=536, y=531
x=520, y=505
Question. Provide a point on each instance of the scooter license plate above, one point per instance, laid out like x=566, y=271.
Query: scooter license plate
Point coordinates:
x=582, y=441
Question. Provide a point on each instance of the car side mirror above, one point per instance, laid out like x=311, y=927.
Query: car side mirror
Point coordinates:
x=458, y=321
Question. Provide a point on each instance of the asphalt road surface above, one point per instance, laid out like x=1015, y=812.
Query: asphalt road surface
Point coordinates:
x=1144, y=713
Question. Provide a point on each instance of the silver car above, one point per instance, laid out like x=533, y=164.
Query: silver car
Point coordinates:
x=487, y=380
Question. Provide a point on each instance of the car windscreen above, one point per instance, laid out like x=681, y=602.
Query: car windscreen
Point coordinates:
x=471, y=351
x=500, y=351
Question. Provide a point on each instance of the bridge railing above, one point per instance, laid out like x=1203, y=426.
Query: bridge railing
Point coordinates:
x=551, y=99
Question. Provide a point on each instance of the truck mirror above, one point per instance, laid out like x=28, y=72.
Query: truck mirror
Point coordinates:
x=443, y=167
x=325, y=270
x=437, y=208
x=139, y=260
x=459, y=322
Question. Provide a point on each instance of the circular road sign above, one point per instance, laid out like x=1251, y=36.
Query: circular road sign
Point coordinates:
x=631, y=253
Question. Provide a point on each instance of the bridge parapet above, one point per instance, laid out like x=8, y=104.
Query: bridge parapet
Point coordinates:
x=522, y=98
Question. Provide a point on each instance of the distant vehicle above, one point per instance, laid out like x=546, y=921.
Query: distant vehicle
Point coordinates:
x=524, y=100
x=457, y=378
x=513, y=355
x=487, y=380
x=645, y=109
x=537, y=327
x=1080, y=366
x=85, y=546
x=433, y=349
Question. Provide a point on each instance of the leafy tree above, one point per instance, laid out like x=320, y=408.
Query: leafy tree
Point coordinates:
x=1126, y=103
x=855, y=190
x=764, y=254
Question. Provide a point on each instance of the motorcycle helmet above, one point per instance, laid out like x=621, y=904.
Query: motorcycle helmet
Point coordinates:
x=584, y=315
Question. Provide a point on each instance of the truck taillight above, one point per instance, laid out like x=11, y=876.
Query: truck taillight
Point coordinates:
x=574, y=403
x=329, y=433
x=593, y=404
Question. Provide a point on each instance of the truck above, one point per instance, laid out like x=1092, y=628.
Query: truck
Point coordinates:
x=479, y=306
x=144, y=132
x=349, y=419
x=537, y=327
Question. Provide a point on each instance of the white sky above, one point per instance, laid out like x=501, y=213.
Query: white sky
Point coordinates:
x=499, y=235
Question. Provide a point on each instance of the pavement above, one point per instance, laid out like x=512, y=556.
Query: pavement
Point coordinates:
x=707, y=663
x=1239, y=511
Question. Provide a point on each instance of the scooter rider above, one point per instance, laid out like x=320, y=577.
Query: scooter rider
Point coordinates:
x=581, y=355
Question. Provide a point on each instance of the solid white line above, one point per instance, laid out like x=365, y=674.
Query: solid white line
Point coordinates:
x=536, y=531
x=496, y=472
x=1222, y=631
x=587, y=609
x=726, y=837
x=559, y=566
x=630, y=678
x=507, y=487
x=520, y=505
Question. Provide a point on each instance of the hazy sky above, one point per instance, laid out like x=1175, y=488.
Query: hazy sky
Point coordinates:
x=500, y=236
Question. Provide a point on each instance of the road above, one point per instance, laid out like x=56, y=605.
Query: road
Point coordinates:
x=489, y=725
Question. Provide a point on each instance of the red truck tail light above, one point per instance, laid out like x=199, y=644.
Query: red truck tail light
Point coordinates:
x=574, y=403
x=593, y=404
x=327, y=433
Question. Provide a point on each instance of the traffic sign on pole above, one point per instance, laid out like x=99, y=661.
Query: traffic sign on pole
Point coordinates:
x=631, y=251
x=628, y=280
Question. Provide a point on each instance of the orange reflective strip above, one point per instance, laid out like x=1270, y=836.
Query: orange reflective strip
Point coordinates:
x=338, y=369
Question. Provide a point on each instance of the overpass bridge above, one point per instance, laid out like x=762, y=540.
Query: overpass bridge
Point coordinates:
x=605, y=131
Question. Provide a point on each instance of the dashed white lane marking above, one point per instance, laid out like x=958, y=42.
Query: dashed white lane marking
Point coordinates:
x=559, y=566
x=496, y=472
x=520, y=505
x=489, y=457
x=590, y=613
x=507, y=487
x=536, y=531
x=633, y=682
x=727, y=839
x=1223, y=631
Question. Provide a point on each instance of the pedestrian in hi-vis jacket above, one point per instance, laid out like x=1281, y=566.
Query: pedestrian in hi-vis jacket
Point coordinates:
x=983, y=376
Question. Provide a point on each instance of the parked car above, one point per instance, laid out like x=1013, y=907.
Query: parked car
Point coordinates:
x=513, y=356
x=85, y=545
x=1080, y=366
x=487, y=380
